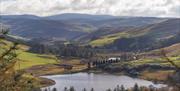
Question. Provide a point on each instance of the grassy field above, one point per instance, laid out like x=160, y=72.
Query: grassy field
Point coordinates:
x=50, y=69
x=160, y=75
x=108, y=39
x=26, y=59
x=155, y=75
x=104, y=40
x=158, y=61
x=46, y=64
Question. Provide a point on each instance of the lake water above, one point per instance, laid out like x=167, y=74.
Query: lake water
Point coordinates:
x=100, y=82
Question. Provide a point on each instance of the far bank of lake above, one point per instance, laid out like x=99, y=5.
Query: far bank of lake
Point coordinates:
x=100, y=82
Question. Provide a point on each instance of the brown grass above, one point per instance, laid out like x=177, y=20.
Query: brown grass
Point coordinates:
x=156, y=75
x=56, y=68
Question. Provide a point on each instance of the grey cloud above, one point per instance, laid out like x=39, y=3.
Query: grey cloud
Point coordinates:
x=166, y=8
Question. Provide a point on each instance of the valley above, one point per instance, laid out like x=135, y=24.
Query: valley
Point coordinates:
x=143, y=48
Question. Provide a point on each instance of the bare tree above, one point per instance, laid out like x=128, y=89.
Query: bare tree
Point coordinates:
x=173, y=80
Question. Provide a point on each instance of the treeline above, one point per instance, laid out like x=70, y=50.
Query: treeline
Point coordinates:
x=122, y=88
x=64, y=50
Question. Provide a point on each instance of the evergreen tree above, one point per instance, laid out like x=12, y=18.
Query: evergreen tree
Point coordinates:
x=54, y=89
x=109, y=90
x=45, y=89
x=84, y=89
x=65, y=89
x=118, y=88
x=122, y=88
x=136, y=87
x=92, y=89
x=115, y=89
x=71, y=89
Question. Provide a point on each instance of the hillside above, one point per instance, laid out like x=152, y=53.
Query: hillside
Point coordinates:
x=77, y=17
x=35, y=28
x=142, y=38
x=69, y=26
x=173, y=50
x=27, y=59
x=121, y=33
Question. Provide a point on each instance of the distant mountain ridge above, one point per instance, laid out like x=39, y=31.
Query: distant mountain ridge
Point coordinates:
x=68, y=26
x=92, y=29
x=19, y=17
x=80, y=17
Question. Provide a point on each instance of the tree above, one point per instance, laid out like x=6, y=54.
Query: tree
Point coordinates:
x=136, y=87
x=71, y=89
x=92, y=89
x=175, y=79
x=109, y=90
x=84, y=89
x=10, y=79
x=45, y=89
x=54, y=89
x=65, y=89
x=122, y=88
x=118, y=88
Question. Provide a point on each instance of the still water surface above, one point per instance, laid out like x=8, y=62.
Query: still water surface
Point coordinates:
x=100, y=82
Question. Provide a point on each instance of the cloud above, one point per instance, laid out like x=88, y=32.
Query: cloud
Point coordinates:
x=158, y=8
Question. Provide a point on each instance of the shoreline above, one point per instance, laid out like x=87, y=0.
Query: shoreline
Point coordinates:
x=45, y=82
x=97, y=71
x=156, y=76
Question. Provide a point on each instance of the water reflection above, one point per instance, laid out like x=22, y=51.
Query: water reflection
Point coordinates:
x=100, y=82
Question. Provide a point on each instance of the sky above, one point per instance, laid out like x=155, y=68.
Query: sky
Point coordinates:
x=150, y=8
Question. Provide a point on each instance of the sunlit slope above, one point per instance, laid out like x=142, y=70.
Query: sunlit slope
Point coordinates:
x=173, y=53
x=27, y=59
x=108, y=39
x=147, y=37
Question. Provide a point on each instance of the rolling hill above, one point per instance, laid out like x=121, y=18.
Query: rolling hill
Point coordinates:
x=172, y=50
x=27, y=59
x=148, y=37
x=69, y=26
x=77, y=17
x=120, y=33
x=34, y=28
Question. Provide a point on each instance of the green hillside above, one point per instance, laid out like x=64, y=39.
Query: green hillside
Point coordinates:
x=149, y=37
x=158, y=61
x=108, y=39
x=27, y=59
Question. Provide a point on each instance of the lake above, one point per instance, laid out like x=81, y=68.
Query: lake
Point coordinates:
x=100, y=82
